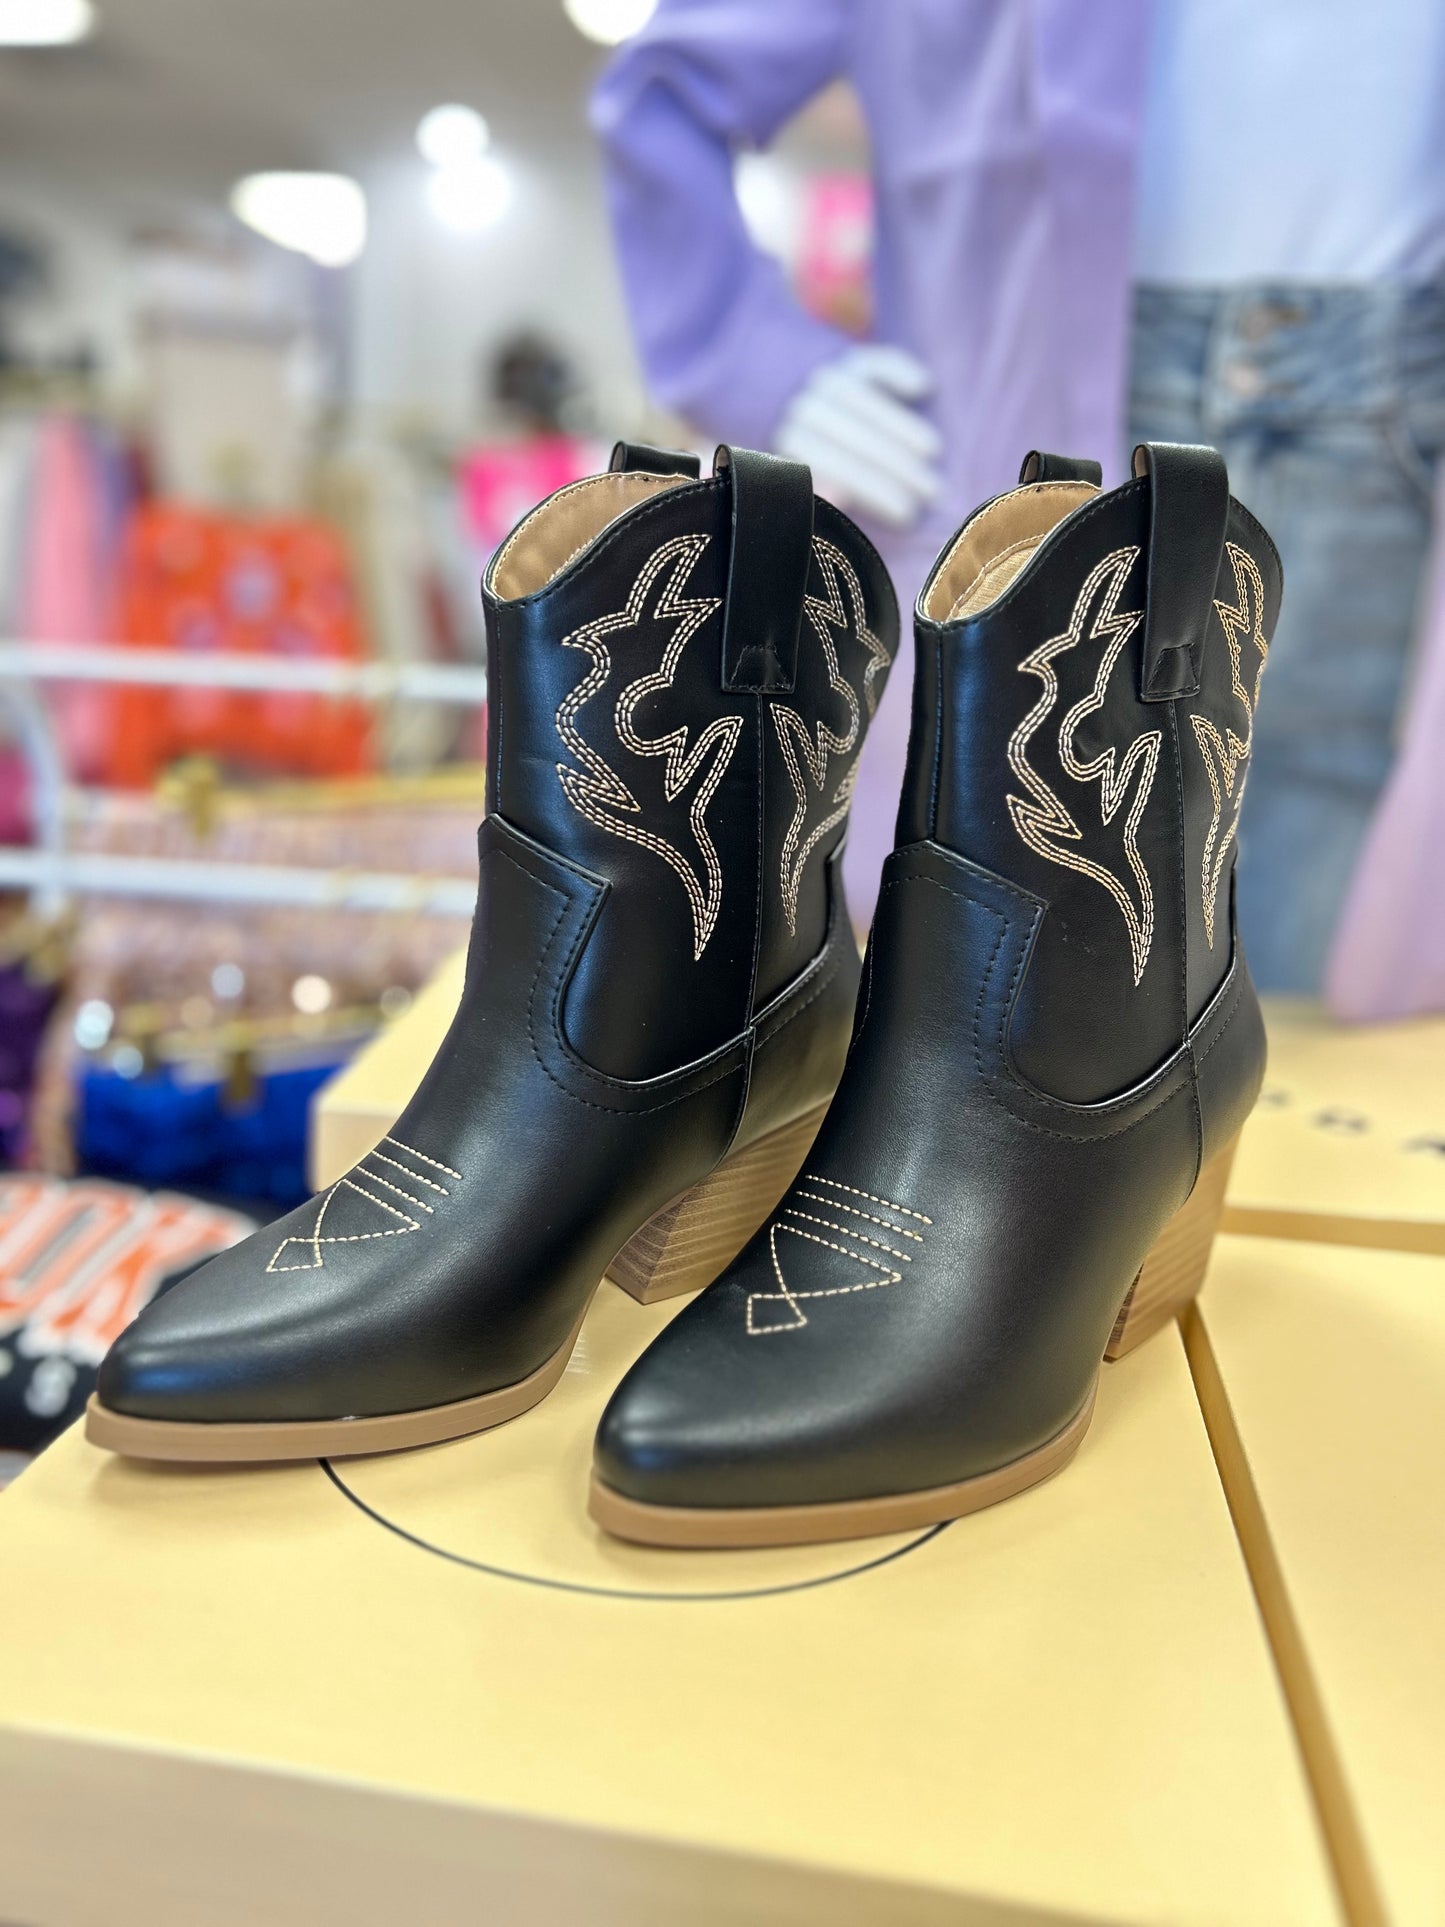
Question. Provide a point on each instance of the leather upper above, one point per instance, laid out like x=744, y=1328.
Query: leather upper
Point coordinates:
x=1047, y=1049
x=1033, y=755
x=714, y=836
x=658, y=972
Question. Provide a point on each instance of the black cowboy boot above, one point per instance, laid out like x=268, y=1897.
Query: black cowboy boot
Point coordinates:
x=1057, y=1043
x=659, y=988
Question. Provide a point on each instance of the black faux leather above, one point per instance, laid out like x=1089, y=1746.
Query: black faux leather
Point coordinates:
x=1040, y=467
x=973, y=700
x=1188, y=511
x=615, y=1038
x=1030, y=1094
x=772, y=536
x=654, y=461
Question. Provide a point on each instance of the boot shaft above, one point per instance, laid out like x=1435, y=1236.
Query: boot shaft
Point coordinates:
x=1088, y=669
x=682, y=673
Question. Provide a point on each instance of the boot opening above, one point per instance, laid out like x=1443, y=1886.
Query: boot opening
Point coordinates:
x=993, y=549
x=542, y=545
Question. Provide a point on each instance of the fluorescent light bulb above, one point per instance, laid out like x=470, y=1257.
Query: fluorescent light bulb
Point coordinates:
x=450, y=134
x=609, y=21
x=467, y=196
x=45, y=23
x=321, y=215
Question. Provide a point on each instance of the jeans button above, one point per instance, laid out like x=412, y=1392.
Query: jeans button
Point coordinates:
x=1243, y=380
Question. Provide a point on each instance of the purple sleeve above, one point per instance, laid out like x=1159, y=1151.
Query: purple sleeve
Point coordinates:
x=721, y=337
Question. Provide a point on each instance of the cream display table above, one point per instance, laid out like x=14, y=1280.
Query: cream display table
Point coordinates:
x=1197, y=1678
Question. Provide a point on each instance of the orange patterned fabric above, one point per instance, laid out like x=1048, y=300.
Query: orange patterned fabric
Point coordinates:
x=194, y=580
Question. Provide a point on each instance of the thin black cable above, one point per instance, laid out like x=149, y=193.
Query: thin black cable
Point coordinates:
x=619, y=1592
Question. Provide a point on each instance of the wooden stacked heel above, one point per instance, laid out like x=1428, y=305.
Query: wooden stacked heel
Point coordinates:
x=1174, y=1270
x=691, y=1240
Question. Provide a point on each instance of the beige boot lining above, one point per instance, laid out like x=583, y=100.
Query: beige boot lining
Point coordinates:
x=540, y=547
x=995, y=547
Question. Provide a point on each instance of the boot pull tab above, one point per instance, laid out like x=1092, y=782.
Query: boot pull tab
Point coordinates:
x=654, y=461
x=1039, y=467
x=772, y=544
x=1188, y=508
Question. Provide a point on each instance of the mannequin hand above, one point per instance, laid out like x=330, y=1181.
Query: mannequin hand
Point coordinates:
x=853, y=423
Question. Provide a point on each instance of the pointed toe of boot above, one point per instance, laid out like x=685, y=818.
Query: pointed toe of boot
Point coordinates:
x=191, y=1357
x=653, y=1449
x=667, y=1438
x=148, y=1378
x=696, y=1426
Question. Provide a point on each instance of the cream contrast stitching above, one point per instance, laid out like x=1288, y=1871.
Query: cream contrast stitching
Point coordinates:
x=792, y=1220
x=435, y=1163
x=648, y=483
x=1044, y=821
x=572, y=488
x=847, y=614
x=1226, y=756
x=887, y=1203
x=847, y=1231
x=377, y=1178
x=1029, y=542
x=596, y=791
x=417, y=1177
x=791, y=1298
x=314, y=1240
x=853, y=1211
x=352, y=1185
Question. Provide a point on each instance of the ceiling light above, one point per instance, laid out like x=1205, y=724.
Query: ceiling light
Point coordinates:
x=451, y=134
x=609, y=21
x=45, y=23
x=322, y=215
x=468, y=196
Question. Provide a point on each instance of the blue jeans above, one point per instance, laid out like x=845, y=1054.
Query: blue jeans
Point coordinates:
x=1329, y=406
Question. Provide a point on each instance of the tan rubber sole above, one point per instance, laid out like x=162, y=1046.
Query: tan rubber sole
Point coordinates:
x=1168, y=1280
x=717, y=1527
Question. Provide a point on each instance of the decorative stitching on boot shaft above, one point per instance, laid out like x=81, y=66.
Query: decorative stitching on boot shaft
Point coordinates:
x=1226, y=754
x=1041, y=819
x=840, y=607
x=595, y=790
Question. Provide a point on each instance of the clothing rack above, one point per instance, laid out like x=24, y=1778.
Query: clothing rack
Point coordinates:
x=374, y=682
x=53, y=877
x=53, y=874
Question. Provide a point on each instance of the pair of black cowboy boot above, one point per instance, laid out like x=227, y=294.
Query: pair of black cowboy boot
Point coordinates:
x=930, y=1203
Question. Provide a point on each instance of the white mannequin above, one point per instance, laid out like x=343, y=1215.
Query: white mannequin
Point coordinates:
x=855, y=424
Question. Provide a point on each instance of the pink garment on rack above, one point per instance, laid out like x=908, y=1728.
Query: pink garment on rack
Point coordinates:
x=502, y=481
x=67, y=586
x=14, y=796
x=1388, y=956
